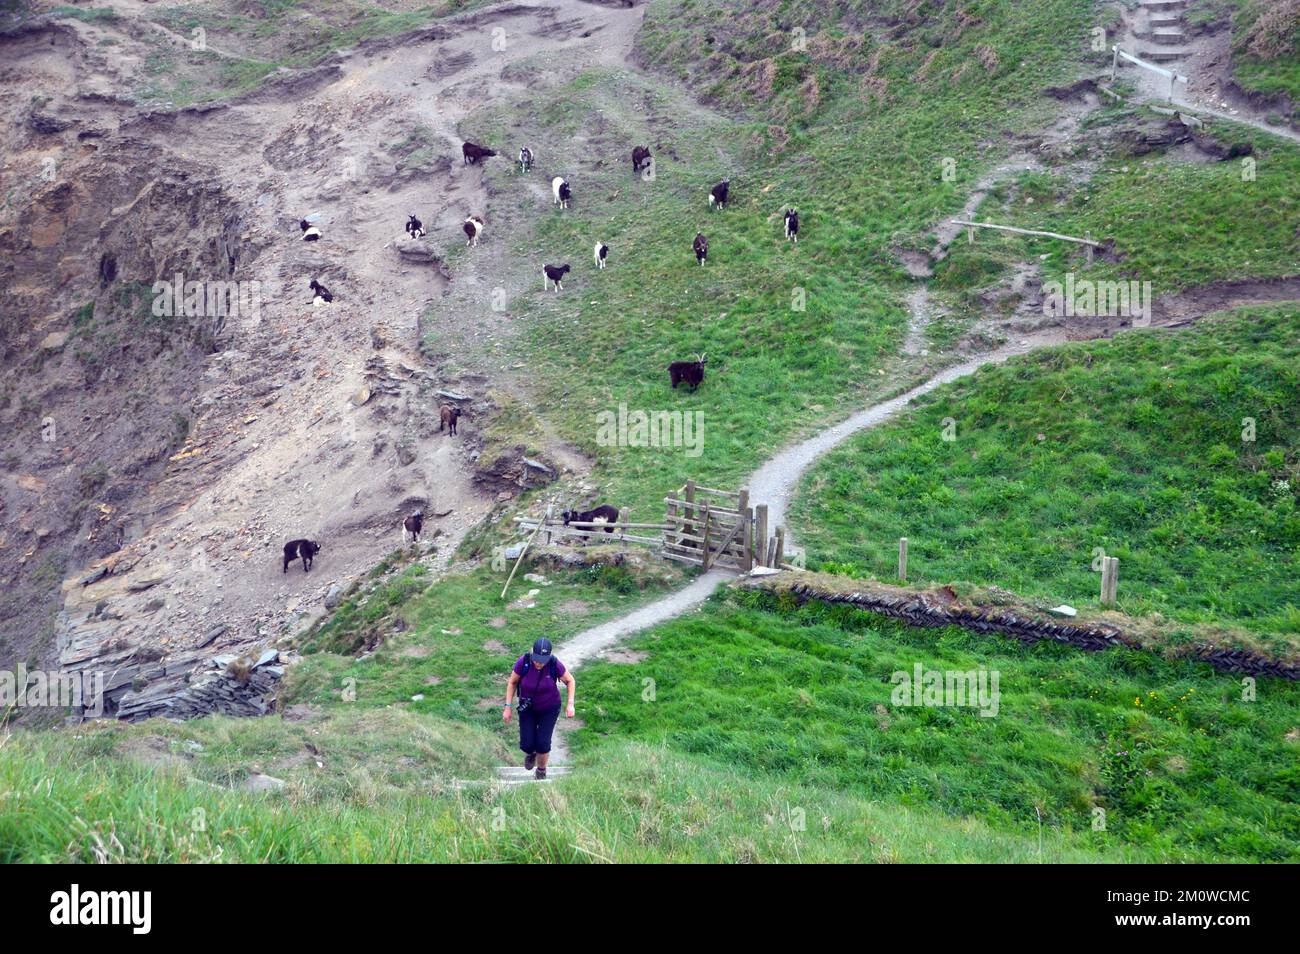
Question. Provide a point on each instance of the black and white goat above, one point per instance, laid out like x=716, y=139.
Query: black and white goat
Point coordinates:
x=414, y=228
x=640, y=159
x=413, y=525
x=701, y=246
x=689, y=372
x=602, y=514
x=306, y=549
x=472, y=153
x=560, y=189
x=792, y=225
x=600, y=253
x=323, y=295
x=309, y=232
x=718, y=194
x=553, y=273
x=473, y=229
x=526, y=159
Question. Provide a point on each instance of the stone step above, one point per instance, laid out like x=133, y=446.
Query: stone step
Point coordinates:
x=509, y=773
x=1162, y=5
x=1158, y=20
x=1165, y=54
x=1168, y=37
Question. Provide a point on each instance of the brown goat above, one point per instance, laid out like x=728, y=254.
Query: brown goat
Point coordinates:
x=450, y=415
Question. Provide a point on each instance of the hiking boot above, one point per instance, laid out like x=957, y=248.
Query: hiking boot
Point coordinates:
x=529, y=761
x=540, y=774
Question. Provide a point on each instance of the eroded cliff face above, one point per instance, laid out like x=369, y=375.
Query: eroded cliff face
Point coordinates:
x=173, y=408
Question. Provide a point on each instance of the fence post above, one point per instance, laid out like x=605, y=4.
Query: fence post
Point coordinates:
x=760, y=534
x=902, y=559
x=1088, y=236
x=688, y=527
x=1114, y=62
x=745, y=539
x=780, y=547
x=704, y=545
x=1109, y=580
x=545, y=518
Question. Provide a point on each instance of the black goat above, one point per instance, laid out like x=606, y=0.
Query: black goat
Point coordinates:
x=306, y=549
x=718, y=194
x=640, y=158
x=414, y=227
x=792, y=224
x=690, y=372
x=472, y=153
x=701, y=246
x=413, y=525
x=525, y=159
x=602, y=514
x=553, y=273
x=309, y=232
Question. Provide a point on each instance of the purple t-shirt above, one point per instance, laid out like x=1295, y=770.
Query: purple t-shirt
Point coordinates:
x=535, y=683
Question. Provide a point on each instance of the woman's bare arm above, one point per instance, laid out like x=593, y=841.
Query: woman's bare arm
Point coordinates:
x=572, y=686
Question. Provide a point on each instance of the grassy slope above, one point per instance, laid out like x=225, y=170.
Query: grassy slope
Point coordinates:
x=1181, y=765
x=865, y=176
x=1141, y=454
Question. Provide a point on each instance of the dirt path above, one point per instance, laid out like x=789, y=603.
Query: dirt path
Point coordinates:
x=776, y=481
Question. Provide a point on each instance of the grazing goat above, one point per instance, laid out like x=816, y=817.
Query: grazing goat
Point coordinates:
x=560, y=188
x=309, y=232
x=306, y=549
x=414, y=228
x=701, y=247
x=692, y=372
x=473, y=229
x=602, y=514
x=472, y=153
x=449, y=416
x=413, y=525
x=718, y=194
x=553, y=273
x=525, y=159
x=601, y=252
x=323, y=296
x=640, y=158
x=792, y=225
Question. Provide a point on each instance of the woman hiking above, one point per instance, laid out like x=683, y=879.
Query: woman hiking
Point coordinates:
x=535, y=677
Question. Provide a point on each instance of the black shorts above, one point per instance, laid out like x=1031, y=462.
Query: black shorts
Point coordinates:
x=535, y=729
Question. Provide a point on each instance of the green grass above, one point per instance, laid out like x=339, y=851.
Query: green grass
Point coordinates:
x=84, y=798
x=1182, y=767
x=1132, y=445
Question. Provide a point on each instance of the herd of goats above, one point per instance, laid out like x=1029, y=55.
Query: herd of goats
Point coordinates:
x=690, y=373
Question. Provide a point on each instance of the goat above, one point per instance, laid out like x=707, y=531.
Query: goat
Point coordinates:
x=323, y=296
x=449, y=415
x=718, y=194
x=309, y=232
x=560, y=188
x=414, y=228
x=413, y=525
x=473, y=229
x=306, y=549
x=525, y=159
x=472, y=153
x=554, y=273
x=701, y=247
x=792, y=225
x=692, y=372
x=640, y=158
x=602, y=514
x=600, y=253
